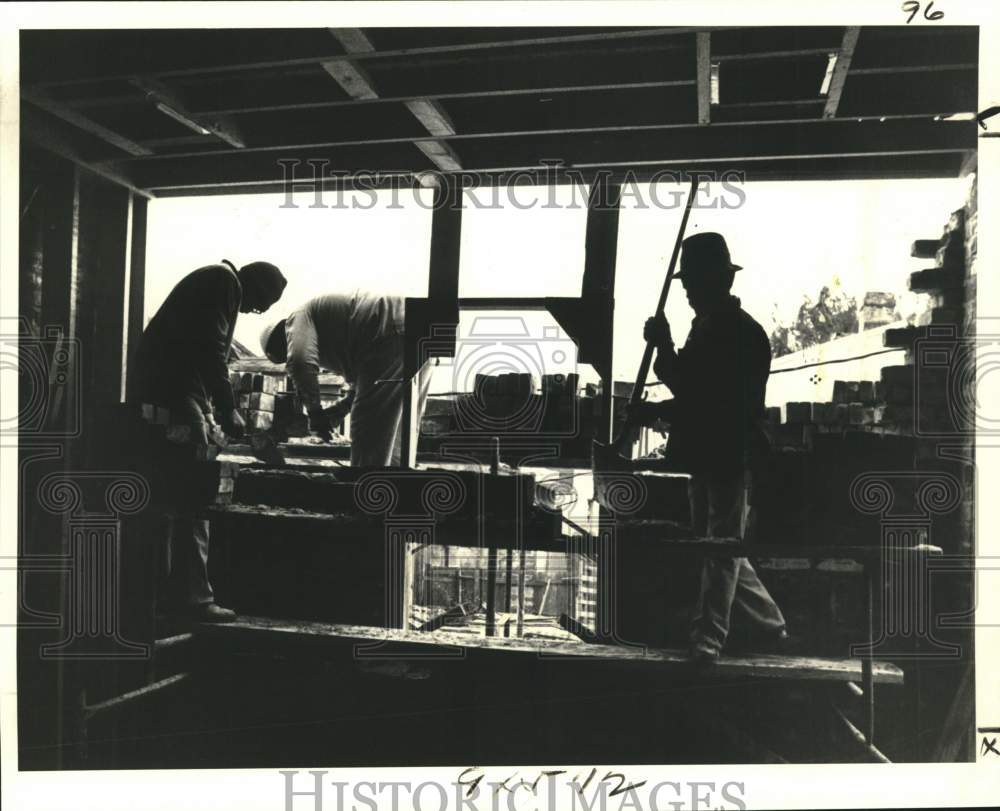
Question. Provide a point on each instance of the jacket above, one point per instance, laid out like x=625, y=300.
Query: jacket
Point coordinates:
x=718, y=379
x=185, y=347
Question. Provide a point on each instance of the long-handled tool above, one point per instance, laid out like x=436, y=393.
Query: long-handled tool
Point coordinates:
x=610, y=457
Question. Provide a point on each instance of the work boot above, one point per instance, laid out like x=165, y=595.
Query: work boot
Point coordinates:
x=703, y=654
x=210, y=612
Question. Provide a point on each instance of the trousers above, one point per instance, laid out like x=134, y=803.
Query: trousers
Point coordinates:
x=377, y=412
x=729, y=586
x=188, y=537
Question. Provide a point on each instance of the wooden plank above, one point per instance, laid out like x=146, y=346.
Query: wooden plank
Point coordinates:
x=800, y=668
x=43, y=101
x=840, y=71
x=221, y=126
x=704, y=73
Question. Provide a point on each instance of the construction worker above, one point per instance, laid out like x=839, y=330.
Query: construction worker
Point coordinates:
x=181, y=365
x=718, y=379
x=360, y=337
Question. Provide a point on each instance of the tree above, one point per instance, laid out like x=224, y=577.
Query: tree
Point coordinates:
x=833, y=315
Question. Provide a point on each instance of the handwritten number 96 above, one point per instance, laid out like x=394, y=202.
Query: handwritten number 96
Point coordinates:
x=913, y=7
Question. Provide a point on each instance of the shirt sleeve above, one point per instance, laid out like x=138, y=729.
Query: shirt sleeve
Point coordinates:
x=215, y=335
x=303, y=357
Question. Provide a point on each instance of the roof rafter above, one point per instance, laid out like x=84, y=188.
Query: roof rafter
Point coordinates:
x=840, y=71
x=429, y=112
x=59, y=110
x=220, y=126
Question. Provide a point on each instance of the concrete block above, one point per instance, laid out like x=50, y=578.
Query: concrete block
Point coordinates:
x=842, y=413
x=772, y=416
x=162, y=416
x=855, y=413
x=866, y=391
x=820, y=413
x=243, y=401
x=265, y=383
x=149, y=412
x=902, y=337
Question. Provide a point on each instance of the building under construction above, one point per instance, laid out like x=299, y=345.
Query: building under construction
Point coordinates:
x=500, y=597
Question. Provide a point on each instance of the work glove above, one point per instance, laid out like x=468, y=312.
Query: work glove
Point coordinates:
x=320, y=425
x=657, y=332
x=233, y=425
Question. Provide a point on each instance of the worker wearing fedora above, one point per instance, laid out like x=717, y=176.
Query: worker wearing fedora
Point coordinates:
x=718, y=379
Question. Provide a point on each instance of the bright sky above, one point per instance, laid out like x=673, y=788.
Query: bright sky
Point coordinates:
x=791, y=238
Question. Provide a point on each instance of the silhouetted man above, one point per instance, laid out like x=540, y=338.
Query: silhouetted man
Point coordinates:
x=718, y=379
x=182, y=365
x=359, y=336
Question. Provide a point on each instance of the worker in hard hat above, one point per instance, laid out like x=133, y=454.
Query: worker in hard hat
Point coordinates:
x=181, y=365
x=718, y=380
x=360, y=337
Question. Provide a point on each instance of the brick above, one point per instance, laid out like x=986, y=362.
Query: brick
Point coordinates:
x=866, y=391
x=842, y=413
x=932, y=280
x=947, y=315
x=868, y=415
x=259, y=420
x=952, y=297
x=243, y=401
x=772, y=416
x=149, y=412
x=797, y=412
x=897, y=376
x=243, y=382
x=267, y=384
x=839, y=391
x=260, y=401
x=819, y=413
x=162, y=416
x=855, y=413
x=924, y=248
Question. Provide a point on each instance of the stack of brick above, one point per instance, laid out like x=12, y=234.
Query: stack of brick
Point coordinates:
x=919, y=392
x=559, y=393
x=206, y=481
x=255, y=397
x=505, y=395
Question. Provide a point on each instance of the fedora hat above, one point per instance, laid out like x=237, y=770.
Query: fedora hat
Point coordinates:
x=708, y=249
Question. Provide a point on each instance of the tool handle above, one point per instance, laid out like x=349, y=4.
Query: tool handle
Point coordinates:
x=647, y=355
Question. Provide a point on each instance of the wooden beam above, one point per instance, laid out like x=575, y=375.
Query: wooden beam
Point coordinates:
x=42, y=133
x=358, y=85
x=434, y=50
x=472, y=94
x=704, y=72
x=221, y=126
x=70, y=116
x=792, y=128
x=259, y=630
x=840, y=70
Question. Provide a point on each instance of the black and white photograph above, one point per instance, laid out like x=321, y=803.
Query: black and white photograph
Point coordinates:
x=485, y=405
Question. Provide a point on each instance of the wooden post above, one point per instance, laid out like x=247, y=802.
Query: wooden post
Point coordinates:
x=867, y=674
x=491, y=592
